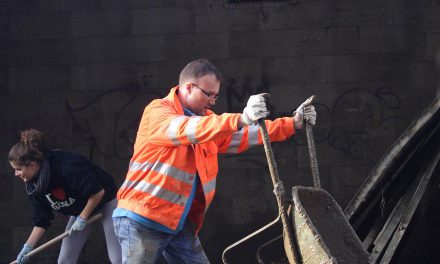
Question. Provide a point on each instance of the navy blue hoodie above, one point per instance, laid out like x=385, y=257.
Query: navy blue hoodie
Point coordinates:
x=73, y=179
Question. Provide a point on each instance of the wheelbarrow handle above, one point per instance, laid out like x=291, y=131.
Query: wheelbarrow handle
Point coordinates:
x=57, y=239
x=269, y=153
x=279, y=193
x=312, y=148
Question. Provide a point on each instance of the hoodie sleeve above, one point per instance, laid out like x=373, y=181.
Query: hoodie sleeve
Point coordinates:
x=41, y=214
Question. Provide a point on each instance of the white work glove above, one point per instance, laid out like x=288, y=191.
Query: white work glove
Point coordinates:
x=78, y=225
x=307, y=111
x=22, y=258
x=310, y=114
x=255, y=109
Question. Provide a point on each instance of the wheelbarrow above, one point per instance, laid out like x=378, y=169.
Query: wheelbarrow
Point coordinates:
x=315, y=230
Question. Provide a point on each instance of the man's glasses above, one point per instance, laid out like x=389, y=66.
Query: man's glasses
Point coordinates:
x=209, y=95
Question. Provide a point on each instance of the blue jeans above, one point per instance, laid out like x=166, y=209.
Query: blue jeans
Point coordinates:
x=141, y=244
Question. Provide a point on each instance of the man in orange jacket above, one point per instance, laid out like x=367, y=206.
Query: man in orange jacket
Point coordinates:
x=172, y=175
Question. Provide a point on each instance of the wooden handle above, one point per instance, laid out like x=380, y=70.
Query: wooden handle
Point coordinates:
x=312, y=156
x=311, y=147
x=309, y=100
x=56, y=239
x=290, y=238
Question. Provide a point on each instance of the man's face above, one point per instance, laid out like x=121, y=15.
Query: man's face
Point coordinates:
x=26, y=172
x=203, y=93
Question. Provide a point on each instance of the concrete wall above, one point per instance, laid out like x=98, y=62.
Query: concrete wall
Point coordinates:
x=82, y=71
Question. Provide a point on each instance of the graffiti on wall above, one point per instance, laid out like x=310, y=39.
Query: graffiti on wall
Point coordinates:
x=355, y=118
x=237, y=95
x=353, y=121
x=112, y=134
x=361, y=115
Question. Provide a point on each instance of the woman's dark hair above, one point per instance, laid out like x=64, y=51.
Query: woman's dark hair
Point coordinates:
x=30, y=147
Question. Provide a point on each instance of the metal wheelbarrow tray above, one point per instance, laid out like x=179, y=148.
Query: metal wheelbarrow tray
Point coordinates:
x=323, y=233
x=317, y=231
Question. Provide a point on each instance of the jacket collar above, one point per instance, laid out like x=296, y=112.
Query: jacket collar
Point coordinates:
x=172, y=96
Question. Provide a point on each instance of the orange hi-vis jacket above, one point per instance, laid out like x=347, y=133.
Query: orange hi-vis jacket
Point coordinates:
x=171, y=147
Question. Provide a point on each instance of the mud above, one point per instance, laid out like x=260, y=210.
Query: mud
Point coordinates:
x=324, y=234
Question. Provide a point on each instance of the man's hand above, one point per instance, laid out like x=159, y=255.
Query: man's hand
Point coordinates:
x=79, y=225
x=255, y=109
x=307, y=112
x=22, y=258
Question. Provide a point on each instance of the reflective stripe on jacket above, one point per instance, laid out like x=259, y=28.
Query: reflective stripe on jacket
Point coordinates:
x=171, y=147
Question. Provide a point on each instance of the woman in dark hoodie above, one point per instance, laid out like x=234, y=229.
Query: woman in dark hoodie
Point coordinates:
x=66, y=183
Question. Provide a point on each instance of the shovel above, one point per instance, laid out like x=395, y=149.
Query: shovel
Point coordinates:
x=56, y=239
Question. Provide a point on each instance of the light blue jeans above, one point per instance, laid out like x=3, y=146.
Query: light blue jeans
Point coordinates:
x=141, y=244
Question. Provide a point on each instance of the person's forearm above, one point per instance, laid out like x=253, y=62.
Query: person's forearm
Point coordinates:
x=241, y=123
x=91, y=204
x=37, y=233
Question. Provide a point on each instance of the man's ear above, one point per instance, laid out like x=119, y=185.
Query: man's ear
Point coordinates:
x=188, y=88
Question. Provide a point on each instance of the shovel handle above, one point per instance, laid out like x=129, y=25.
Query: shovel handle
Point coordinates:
x=56, y=239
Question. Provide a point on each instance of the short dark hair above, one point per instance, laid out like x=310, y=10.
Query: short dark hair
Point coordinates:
x=199, y=68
